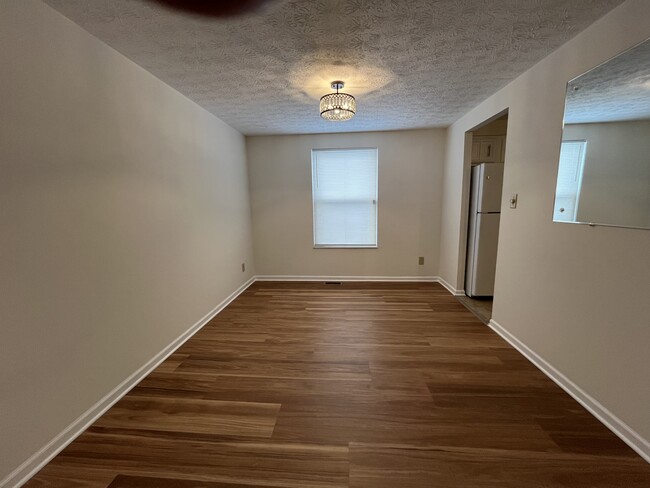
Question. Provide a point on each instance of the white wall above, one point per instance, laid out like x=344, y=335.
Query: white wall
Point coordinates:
x=410, y=179
x=124, y=219
x=616, y=177
x=575, y=295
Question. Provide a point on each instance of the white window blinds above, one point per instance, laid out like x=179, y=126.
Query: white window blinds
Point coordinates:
x=344, y=190
x=567, y=191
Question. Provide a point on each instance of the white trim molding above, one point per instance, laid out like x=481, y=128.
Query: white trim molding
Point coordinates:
x=451, y=289
x=611, y=421
x=428, y=279
x=37, y=461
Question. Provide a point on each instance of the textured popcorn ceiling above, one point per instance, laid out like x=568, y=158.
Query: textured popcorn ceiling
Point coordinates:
x=410, y=63
x=614, y=91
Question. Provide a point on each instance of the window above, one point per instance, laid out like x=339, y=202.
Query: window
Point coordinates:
x=344, y=191
x=569, y=177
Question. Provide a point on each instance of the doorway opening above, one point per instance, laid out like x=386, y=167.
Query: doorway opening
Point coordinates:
x=483, y=204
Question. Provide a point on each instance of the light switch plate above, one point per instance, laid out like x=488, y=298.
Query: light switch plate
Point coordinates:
x=513, y=200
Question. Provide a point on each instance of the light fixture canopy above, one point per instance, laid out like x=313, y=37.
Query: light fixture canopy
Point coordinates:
x=337, y=106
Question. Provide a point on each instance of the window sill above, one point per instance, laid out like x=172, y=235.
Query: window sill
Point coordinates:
x=343, y=246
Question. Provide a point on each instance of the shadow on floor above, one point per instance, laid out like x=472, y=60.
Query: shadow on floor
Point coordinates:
x=481, y=307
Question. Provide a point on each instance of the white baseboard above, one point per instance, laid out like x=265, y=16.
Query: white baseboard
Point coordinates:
x=429, y=279
x=451, y=289
x=29, y=468
x=611, y=421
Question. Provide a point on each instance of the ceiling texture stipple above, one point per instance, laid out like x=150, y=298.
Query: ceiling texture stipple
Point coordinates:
x=409, y=63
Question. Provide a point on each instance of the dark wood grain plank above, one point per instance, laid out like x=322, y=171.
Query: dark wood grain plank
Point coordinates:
x=382, y=466
x=122, y=481
x=191, y=415
x=306, y=385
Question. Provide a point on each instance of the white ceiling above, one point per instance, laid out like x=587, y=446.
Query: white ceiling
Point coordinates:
x=615, y=91
x=410, y=63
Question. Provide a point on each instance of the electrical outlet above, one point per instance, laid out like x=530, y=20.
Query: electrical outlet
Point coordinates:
x=421, y=260
x=243, y=267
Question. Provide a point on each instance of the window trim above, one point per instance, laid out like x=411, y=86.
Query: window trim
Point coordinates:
x=313, y=206
x=581, y=170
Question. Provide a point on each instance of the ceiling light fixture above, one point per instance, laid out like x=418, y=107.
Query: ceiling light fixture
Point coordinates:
x=337, y=106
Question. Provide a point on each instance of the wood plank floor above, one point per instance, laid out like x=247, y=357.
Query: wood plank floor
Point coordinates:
x=363, y=385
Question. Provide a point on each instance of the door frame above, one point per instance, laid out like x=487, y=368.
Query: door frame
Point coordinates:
x=464, y=210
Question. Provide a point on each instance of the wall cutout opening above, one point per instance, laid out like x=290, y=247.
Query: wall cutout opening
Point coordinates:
x=484, y=214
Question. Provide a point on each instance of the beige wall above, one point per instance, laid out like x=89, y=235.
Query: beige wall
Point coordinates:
x=616, y=178
x=497, y=127
x=124, y=219
x=410, y=172
x=576, y=295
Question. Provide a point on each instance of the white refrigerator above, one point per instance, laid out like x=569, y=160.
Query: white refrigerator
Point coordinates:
x=483, y=232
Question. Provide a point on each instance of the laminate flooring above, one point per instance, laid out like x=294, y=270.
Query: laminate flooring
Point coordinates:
x=363, y=385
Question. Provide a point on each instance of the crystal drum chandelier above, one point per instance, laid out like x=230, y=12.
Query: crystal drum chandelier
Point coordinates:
x=337, y=106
